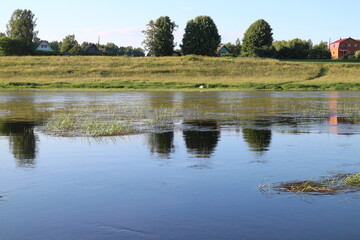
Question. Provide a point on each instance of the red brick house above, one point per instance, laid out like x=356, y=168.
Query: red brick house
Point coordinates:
x=344, y=48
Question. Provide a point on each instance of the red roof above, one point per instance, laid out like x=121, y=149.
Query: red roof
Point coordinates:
x=341, y=40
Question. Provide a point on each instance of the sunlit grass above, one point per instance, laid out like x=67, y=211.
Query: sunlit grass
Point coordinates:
x=148, y=73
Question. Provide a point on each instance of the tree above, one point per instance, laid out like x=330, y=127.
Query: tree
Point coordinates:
x=12, y=47
x=257, y=36
x=293, y=49
x=235, y=49
x=55, y=45
x=201, y=37
x=68, y=43
x=110, y=49
x=22, y=26
x=164, y=38
x=159, y=39
x=149, y=42
x=320, y=51
x=76, y=50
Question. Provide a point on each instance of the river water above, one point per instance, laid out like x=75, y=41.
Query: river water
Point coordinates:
x=200, y=178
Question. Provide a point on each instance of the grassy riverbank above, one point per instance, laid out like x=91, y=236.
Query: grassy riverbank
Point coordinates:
x=186, y=72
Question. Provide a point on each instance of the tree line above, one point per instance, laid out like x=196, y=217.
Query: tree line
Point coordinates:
x=201, y=37
x=21, y=39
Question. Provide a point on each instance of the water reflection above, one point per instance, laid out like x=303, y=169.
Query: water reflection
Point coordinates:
x=161, y=143
x=258, y=136
x=23, y=141
x=257, y=139
x=201, y=137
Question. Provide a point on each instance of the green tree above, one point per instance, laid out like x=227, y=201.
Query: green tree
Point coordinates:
x=149, y=42
x=55, y=45
x=320, y=51
x=2, y=34
x=22, y=27
x=293, y=49
x=111, y=49
x=68, y=43
x=76, y=50
x=257, y=38
x=201, y=37
x=164, y=38
x=12, y=47
x=159, y=40
x=235, y=49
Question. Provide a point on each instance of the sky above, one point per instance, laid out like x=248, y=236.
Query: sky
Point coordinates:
x=121, y=22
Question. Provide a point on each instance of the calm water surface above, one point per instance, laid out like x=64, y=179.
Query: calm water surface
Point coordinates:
x=197, y=179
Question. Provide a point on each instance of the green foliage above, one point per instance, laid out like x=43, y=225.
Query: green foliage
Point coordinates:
x=55, y=45
x=46, y=53
x=76, y=50
x=201, y=37
x=110, y=49
x=293, y=49
x=68, y=43
x=164, y=38
x=320, y=51
x=159, y=39
x=22, y=26
x=357, y=54
x=257, y=36
x=149, y=41
x=235, y=49
x=12, y=47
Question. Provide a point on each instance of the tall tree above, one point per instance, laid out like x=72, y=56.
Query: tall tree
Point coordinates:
x=201, y=37
x=149, y=42
x=164, y=37
x=22, y=26
x=257, y=36
x=159, y=39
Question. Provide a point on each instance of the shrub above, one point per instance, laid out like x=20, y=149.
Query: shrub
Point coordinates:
x=357, y=54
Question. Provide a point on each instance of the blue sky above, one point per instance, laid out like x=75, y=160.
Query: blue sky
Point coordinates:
x=121, y=22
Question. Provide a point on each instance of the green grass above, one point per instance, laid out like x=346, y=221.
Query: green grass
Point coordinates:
x=187, y=72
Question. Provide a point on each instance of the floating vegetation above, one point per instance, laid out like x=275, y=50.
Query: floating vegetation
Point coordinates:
x=338, y=184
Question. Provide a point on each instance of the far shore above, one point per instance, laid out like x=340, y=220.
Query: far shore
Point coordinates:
x=177, y=73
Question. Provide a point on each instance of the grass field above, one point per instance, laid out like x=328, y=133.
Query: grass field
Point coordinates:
x=186, y=72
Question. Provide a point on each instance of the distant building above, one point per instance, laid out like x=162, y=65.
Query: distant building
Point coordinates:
x=93, y=49
x=44, y=46
x=344, y=48
x=222, y=49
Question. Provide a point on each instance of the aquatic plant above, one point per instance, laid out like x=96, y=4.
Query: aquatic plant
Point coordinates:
x=337, y=184
x=353, y=179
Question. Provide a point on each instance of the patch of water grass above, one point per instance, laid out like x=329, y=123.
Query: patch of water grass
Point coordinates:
x=338, y=184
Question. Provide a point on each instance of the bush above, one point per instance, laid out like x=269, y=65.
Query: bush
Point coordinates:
x=357, y=54
x=46, y=53
x=12, y=47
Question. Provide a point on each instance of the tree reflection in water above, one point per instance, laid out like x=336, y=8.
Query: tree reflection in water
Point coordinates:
x=201, y=137
x=258, y=137
x=161, y=143
x=23, y=141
